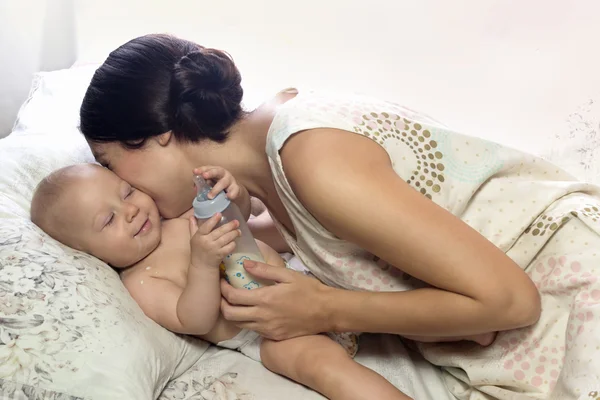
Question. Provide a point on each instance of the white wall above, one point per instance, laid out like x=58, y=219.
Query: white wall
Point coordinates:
x=514, y=69
x=522, y=72
x=35, y=35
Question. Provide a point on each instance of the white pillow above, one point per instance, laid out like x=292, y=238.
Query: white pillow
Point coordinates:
x=68, y=327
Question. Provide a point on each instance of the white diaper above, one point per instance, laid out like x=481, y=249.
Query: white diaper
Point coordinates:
x=294, y=263
x=246, y=342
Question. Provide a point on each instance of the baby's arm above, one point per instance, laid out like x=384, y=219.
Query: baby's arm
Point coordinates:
x=168, y=304
x=195, y=308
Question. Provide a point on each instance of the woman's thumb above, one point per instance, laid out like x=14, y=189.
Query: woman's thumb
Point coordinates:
x=269, y=272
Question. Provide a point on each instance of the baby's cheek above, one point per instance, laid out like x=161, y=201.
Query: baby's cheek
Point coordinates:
x=139, y=250
x=124, y=251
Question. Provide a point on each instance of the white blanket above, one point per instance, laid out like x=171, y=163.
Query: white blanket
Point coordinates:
x=228, y=375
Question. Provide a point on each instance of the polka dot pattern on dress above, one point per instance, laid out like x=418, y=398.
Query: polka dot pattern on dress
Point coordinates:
x=428, y=171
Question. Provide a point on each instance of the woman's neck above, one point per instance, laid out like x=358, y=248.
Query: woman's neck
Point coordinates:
x=247, y=151
x=244, y=152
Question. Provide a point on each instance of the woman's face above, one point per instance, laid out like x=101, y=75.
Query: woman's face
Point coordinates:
x=159, y=169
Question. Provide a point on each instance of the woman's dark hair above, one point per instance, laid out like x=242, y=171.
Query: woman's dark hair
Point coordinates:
x=159, y=83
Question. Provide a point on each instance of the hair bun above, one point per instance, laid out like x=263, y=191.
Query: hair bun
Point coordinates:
x=206, y=93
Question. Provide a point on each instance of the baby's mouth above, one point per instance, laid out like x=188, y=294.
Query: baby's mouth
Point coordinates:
x=145, y=228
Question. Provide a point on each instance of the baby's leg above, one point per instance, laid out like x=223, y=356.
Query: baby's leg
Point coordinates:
x=484, y=339
x=324, y=366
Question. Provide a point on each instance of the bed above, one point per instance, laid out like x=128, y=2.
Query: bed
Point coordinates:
x=69, y=330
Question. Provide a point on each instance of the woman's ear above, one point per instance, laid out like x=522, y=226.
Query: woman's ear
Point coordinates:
x=164, y=138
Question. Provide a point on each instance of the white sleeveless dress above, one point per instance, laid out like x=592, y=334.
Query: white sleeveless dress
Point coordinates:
x=539, y=215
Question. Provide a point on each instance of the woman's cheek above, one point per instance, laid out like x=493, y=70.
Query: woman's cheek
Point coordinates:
x=164, y=210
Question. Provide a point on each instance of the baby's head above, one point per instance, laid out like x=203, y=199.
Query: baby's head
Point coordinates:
x=91, y=209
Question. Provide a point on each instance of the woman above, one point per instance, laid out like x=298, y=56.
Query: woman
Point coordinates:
x=374, y=198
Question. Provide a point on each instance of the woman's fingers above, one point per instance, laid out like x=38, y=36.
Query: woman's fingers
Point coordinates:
x=240, y=297
x=237, y=313
x=279, y=311
x=268, y=272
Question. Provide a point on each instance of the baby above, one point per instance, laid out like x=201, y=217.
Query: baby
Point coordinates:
x=171, y=269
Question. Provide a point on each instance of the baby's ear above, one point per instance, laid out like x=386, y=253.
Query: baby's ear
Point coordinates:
x=164, y=139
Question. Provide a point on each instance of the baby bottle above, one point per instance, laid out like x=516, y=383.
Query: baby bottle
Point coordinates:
x=245, y=245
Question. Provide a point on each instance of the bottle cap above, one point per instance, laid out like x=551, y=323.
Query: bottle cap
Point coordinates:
x=204, y=207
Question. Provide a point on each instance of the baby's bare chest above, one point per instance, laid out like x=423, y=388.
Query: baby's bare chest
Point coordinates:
x=171, y=259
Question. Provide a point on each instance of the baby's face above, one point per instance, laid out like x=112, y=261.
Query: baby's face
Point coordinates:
x=111, y=220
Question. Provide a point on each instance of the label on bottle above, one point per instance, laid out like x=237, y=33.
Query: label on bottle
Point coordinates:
x=236, y=275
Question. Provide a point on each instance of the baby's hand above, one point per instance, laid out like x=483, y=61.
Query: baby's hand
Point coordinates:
x=223, y=180
x=209, y=245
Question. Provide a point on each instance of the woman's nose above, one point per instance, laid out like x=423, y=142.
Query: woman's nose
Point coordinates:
x=131, y=211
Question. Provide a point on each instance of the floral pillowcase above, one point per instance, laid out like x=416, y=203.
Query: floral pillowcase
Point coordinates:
x=68, y=327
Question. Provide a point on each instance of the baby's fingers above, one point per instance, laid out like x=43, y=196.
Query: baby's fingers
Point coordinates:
x=233, y=192
x=208, y=225
x=227, y=249
x=222, y=230
x=227, y=239
x=202, y=170
x=193, y=226
x=221, y=185
x=214, y=173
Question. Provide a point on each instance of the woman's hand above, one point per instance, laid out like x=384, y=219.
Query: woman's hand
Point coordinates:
x=296, y=306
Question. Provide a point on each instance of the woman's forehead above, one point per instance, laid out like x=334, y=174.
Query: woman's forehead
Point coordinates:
x=102, y=152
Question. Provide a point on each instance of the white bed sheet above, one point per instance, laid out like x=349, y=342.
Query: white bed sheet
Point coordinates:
x=228, y=375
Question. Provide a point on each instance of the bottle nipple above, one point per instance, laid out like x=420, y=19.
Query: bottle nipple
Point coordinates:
x=202, y=188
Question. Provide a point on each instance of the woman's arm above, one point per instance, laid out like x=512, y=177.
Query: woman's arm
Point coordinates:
x=347, y=182
x=263, y=228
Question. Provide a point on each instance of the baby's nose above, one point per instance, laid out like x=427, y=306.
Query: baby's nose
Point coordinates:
x=132, y=211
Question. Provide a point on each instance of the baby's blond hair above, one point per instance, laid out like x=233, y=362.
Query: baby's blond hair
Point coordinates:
x=46, y=205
